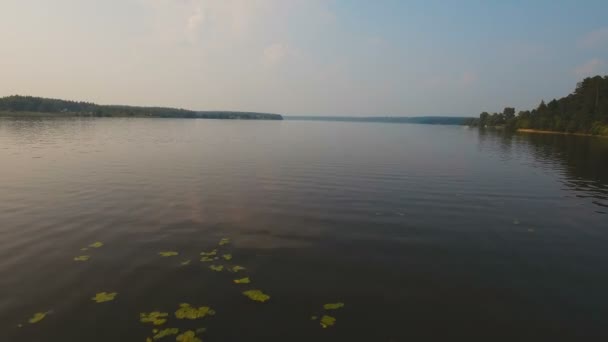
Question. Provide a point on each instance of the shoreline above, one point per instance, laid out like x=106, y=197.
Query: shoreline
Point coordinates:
x=538, y=131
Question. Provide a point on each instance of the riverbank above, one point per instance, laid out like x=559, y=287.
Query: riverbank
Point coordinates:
x=526, y=130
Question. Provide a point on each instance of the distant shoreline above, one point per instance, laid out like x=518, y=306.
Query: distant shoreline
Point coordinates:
x=538, y=131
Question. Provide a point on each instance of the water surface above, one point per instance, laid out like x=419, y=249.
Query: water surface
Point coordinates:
x=424, y=232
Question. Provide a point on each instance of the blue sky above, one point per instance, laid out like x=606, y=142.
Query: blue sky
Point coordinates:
x=304, y=57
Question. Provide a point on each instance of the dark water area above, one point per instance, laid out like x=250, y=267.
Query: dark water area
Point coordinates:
x=426, y=233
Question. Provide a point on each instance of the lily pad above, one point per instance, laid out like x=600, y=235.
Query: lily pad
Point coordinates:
x=235, y=269
x=168, y=253
x=333, y=306
x=327, y=321
x=104, y=297
x=165, y=333
x=245, y=280
x=38, y=316
x=96, y=244
x=228, y=257
x=188, y=336
x=217, y=268
x=224, y=241
x=186, y=311
x=82, y=258
x=210, y=254
x=154, y=317
x=257, y=295
x=206, y=259
x=185, y=263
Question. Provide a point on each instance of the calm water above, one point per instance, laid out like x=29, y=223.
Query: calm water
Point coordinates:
x=424, y=232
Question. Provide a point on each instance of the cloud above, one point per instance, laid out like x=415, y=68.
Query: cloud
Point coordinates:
x=594, y=39
x=590, y=68
x=275, y=54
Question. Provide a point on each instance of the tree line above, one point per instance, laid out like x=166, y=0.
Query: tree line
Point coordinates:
x=17, y=105
x=583, y=111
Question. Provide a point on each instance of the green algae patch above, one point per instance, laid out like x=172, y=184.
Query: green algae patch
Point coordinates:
x=235, y=269
x=206, y=259
x=96, y=244
x=217, y=268
x=314, y=318
x=245, y=280
x=188, y=336
x=224, y=241
x=210, y=254
x=327, y=321
x=154, y=317
x=227, y=257
x=186, y=311
x=104, y=297
x=82, y=258
x=84, y=249
x=185, y=263
x=165, y=332
x=167, y=253
x=333, y=306
x=200, y=330
x=257, y=295
x=38, y=316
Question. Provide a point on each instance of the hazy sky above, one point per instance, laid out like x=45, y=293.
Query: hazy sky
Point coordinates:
x=317, y=57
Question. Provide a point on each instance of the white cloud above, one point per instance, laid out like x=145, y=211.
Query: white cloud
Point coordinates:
x=595, y=39
x=275, y=54
x=590, y=68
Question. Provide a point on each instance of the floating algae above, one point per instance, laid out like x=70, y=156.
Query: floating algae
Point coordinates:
x=257, y=295
x=82, y=258
x=245, y=280
x=165, y=332
x=154, y=317
x=84, y=249
x=188, y=336
x=38, y=316
x=314, y=318
x=209, y=254
x=333, y=306
x=185, y=262
x=201, y=330
x=104, y=297
x=206, y=259
x=235, y=269
x=217, y=268
x=186, y=311
x=168, y=253
x=96, y=244
x=224, y=241
x=228, y=257
x=327, y=321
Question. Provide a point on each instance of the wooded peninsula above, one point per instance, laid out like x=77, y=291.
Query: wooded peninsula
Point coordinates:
x=24, y=106
x=585, y=111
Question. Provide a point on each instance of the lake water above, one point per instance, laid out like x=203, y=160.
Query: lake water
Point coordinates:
x=424, y=232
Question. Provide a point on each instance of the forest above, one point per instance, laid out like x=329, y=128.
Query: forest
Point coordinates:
x=37, y=106
x=584, y=111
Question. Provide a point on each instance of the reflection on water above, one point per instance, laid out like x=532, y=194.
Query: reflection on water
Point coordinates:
x=423, y=232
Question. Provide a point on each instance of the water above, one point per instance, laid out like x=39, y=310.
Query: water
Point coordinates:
x=424, y=232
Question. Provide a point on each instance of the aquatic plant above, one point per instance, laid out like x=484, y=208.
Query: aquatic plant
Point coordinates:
x=210, y=254
x=165, y=332
x=228, y=257
x=104, y=297
x=82, y=258
x=235, y=269
x=167, y=253
x=201, y=330
x=38, y=316
x=188, y=336
x=257, y=295
x=333, y=306
x=217, y=268
x=314, y=318
x=186, y=311
x=84, y=249
x=154, y=317
x=206, y=259
x=245, y=280
x=96, y=244
x=185, y=262
x=224, y=241
x=327, y=321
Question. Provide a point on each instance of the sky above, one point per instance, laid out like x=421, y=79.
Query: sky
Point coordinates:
x=303, y=57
